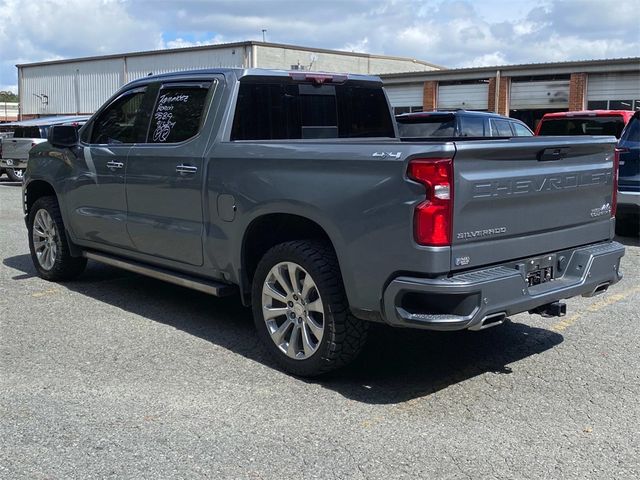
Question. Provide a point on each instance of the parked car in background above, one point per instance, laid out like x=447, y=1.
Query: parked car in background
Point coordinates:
x=459, y=123
x=587, y=122
x=628, y=149
x=26, y=135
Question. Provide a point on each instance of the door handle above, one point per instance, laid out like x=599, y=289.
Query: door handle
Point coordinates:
x=114, y=165
x=183, y=169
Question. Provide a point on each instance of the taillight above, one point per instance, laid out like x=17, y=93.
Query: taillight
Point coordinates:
x=433, y=217
x=616, y=166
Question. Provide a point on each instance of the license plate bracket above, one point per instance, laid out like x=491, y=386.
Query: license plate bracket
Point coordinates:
x=539, y=269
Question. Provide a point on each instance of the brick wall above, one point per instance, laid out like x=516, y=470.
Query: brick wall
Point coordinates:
x=503, y=98
x=430, y=95
x=577, y=91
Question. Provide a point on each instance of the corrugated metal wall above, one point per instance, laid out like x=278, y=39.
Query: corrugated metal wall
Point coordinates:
x=287, y=57
x=77, y=87
x=468, y=96
x=405, y=95
x=143, y=65
x=542, y=94
x=83, y=86
x=613, y=86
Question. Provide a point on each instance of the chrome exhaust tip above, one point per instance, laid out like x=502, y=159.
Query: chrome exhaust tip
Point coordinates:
x=492, y=320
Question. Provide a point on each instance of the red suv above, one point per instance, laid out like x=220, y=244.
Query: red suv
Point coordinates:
x=588, y=122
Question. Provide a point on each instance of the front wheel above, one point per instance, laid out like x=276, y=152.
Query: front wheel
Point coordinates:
x=301, y=312
x=15, y=174
x=48, y=243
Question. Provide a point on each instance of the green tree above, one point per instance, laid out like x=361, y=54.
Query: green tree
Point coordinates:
x=8, y=97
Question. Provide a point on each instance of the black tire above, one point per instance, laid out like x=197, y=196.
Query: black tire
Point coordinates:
x=344, y=335
x=628, y=226
x=65, y=266
x=1, y=172
x=13, y=176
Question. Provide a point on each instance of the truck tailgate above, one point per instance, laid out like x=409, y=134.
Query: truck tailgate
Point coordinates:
x=18, y=148
x=521, y=197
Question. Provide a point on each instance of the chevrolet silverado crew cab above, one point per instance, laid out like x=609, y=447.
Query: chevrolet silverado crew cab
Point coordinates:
x=293, y=189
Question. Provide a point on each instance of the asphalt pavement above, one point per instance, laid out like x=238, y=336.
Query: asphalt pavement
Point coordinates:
x=115, y=375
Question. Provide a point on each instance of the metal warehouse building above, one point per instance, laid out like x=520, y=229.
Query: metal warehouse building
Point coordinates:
x=79, y=86
x=522, y=91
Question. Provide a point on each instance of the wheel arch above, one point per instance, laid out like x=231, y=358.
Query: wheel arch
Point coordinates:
x=269, y=230
x=36, y=189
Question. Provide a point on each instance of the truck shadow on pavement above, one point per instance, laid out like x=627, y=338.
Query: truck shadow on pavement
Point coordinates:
x=396, y=365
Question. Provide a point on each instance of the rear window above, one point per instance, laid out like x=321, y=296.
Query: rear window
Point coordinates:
x=427, y=126
x=612, y=125
x=279, y=111
x=26, y=132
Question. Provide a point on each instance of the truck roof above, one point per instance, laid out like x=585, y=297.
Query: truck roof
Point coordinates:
x=590, y=113
x=259, y=72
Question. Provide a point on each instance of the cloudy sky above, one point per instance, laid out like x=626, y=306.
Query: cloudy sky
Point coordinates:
x=452, y=33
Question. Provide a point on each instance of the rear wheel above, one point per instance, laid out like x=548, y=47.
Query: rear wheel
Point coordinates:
x=15, y=174
x=48, y=243
x=301, y=312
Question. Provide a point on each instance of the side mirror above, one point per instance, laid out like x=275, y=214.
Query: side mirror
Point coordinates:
x=63, y=136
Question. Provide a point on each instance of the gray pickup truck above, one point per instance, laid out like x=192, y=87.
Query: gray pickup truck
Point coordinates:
x=292, y=189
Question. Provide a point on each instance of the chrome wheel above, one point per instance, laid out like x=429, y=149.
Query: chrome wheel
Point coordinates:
x=292, y=310
x=19, y=173
x=45, y=238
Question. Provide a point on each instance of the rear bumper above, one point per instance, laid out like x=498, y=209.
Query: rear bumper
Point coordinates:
x=629, y=198
x=13, y=163
x=466, y=300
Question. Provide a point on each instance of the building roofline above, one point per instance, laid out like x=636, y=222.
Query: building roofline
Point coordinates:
x=214, y=46
x=475, y=72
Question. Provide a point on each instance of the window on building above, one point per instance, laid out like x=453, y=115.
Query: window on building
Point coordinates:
x=613, y=105
x=598, y=105
x=120, y=122
x=401, y=110
x=278, y=111
x=620, y=104
x=178, y=113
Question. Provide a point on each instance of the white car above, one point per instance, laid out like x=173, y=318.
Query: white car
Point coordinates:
x=26, y=135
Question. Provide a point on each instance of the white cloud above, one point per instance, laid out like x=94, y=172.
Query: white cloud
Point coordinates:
x=447, y=32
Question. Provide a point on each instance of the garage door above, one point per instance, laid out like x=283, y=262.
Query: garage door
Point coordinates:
x=472, y=96
x=614, y=91
x=405, y=95
x=542, y=94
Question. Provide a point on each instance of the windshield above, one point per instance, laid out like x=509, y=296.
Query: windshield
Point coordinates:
x=611, y=125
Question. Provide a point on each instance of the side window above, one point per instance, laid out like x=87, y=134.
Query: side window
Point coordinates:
x=501, y=128
x=178, y=113
x=471, y=127
x=120, y=121
x=521, y=130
